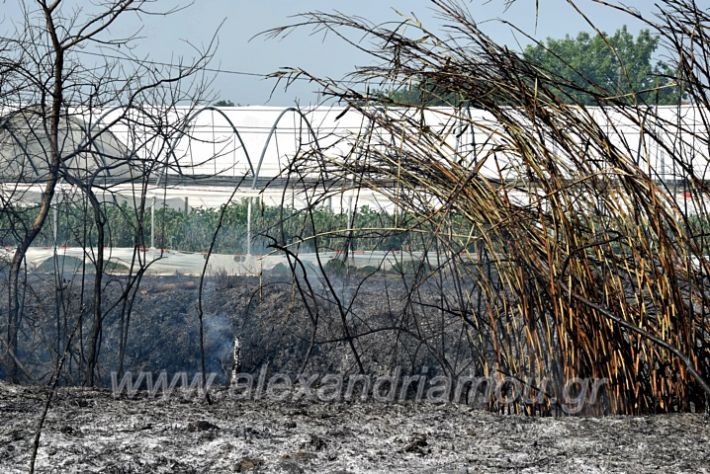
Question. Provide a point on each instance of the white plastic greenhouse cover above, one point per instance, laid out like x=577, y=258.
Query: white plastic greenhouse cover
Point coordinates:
x=224, y=146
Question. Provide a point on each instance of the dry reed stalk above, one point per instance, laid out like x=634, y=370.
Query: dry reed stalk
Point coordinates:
x=600, y=273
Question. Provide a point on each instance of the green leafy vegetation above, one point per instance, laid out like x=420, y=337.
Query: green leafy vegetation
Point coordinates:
x=618, y=65
x=586, y=70
x=192, y=231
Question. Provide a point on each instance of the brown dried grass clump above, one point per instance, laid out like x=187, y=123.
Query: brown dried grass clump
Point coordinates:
x=594, y=269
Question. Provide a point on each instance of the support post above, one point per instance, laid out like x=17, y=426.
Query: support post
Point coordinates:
x=152, y=223
x=55, y=224
x=249, y=203
x=351, y=224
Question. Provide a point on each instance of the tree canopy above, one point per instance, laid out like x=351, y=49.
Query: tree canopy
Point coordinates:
x=223, y=103
x=588, y=69
x=605, y=66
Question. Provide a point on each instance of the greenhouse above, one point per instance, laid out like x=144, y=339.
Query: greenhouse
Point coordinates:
x=270, y=158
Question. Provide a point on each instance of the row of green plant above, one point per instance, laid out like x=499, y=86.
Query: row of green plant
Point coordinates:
x=194, y=229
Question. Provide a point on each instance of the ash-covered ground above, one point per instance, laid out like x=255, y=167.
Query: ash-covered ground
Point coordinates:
x=93, y=431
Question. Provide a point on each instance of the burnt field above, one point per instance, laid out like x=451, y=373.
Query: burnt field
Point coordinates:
x=92, y=431
x=482, y=259
x=177, y=430
x=278, y=326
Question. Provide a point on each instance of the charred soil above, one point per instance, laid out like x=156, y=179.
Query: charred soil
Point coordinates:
x=94, y=431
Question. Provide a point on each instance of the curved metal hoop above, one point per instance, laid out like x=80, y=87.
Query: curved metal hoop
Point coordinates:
x=273, y=131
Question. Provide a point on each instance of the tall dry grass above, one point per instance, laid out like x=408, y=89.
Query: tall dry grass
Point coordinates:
x=594, y=267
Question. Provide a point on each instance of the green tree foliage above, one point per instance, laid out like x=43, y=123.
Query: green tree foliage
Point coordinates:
x=595, y=68
x=604, y=66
